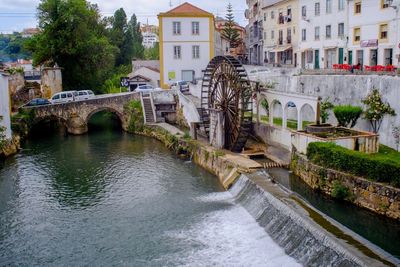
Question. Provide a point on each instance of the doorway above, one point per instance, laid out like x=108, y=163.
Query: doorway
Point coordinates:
x=374, y=57
x=316, y=60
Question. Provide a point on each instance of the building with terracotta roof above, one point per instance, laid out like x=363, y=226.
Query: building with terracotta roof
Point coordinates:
x=187, y=44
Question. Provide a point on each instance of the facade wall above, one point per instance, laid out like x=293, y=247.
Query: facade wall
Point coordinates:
x=281, y=32
x=255, y=32
x=322, y=52
x=148, y=73
x=51, y=82
x=171, y=68
x=5, y=108
x=369, y=20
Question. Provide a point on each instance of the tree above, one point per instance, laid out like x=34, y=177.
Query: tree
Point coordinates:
x=326, y=105
x=152, y=53
x=73, y=36
x=134, y=28
x=229, y=31
x=121, y=37
x=376, y=109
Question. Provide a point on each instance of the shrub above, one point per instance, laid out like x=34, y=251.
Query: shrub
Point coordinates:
x=136, y=120
x=347, y=115
x=340, y=191
x=325, y=106
x=187, y=136
x=374, y=167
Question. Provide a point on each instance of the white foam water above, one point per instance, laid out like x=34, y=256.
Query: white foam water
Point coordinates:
x=228, y=237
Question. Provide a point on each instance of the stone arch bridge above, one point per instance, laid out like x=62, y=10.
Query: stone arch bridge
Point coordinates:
x=76, y=115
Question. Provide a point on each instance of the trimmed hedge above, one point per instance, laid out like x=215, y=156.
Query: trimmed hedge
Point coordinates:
x=347, y=115
x=332, y=156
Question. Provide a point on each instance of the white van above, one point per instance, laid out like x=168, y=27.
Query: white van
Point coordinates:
x=63, y=97
x=84, y=95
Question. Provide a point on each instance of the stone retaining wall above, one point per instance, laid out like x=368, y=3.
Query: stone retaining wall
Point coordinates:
x=377, y=197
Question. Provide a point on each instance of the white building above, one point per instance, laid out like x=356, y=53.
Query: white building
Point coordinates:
x=5, y=109
x=149, y=39
x=144, y=75
x=374, y=36
x=186, y=43
x=323, y=27
x=255, y=32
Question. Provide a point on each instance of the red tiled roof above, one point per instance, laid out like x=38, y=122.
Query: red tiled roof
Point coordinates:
x=187, y=8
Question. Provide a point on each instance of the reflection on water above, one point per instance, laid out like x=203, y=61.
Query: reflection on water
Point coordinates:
x=380, y=230
x=110, y=199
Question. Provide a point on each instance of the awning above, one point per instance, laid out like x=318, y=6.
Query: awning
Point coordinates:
x=282, y=48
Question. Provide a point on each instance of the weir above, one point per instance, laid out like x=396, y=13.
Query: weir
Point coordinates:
x=292, y=224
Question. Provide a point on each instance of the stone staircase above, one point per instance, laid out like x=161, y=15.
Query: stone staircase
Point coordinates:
x=148, y=108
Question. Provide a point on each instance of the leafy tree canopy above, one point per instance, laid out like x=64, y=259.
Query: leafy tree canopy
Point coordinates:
x=74, y=37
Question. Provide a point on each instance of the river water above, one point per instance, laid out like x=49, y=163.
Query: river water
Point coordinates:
x=112, y=199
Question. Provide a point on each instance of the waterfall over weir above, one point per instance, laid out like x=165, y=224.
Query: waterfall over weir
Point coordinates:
x=295, y=233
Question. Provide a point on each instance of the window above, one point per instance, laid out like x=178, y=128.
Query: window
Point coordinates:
x=341, y=29
x=383, y=31
x=340, y=5
x=317, y=9
x=176, y=28
x=196, y=51
x=328, y=6
x=265, y=16
x=303, y=11
x=303, y=35
x=272, y=15
x=289, y=14
x=356, y=35
x=272, y=35
x=328, y=31
x=384, y=4
x=265, y=35
x=289, y=36
x=177, y=52
x=280, y=41
x=316, y=33
x=195, y=28
x=357, y=7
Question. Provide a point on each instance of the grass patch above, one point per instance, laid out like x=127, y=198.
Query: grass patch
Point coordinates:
x=291, y=124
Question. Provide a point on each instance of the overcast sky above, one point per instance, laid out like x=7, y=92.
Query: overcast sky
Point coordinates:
x=16, y=15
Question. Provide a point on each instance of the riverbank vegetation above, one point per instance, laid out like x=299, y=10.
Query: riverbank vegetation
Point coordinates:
x=381, y=167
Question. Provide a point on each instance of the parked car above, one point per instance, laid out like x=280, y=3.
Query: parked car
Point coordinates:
x=85, y=95
x=63, y=97
x=183, y=86
x=38, y=102
x=144, y=88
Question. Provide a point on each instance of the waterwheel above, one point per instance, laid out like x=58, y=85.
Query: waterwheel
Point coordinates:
x=226, y=88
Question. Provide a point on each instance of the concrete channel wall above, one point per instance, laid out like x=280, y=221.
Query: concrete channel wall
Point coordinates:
x=377, y=197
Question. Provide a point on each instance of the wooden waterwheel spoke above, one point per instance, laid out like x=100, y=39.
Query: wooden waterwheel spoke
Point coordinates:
x=231, y=94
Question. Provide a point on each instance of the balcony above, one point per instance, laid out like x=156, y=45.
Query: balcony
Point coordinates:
x=280, y=41
x=289, y=40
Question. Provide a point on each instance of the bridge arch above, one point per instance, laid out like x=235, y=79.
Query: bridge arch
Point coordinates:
x=109, y=109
